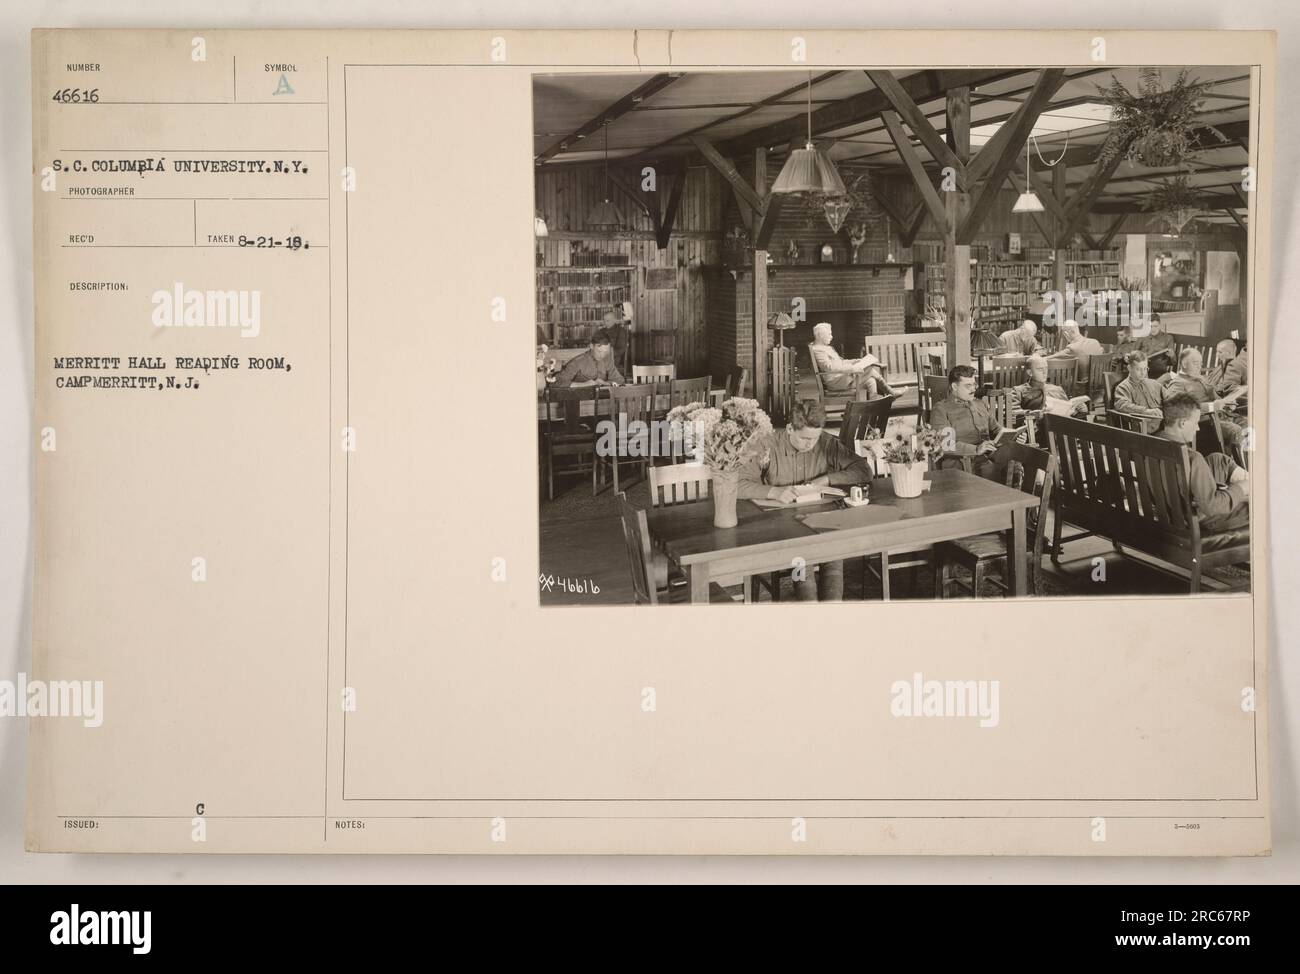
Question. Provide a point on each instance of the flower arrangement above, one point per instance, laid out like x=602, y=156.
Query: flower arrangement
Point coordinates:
x=1154, y=126
x=736, y=244
x=926, y=442
x=857, y=237
x=546, y=368
x=725, y=438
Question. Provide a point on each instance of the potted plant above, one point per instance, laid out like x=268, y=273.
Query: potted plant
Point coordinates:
x=1175, y=203
x=1155, y=126
x=724, y=440
x=736, y=246
x=908, y=457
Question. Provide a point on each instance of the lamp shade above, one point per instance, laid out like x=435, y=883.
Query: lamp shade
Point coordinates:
x=984, y=343
x=809, y=170
x=1028, y=203
x=780, y=321
x=539, y=227
x=604, y=216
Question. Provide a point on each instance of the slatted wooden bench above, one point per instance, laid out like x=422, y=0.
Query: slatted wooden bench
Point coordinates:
x=1198, y=342
x=898, y=354
x=1133, y=489
x=901, y=355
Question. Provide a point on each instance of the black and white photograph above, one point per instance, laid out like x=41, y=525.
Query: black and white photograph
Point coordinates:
x=974, y=323
x=868, y=334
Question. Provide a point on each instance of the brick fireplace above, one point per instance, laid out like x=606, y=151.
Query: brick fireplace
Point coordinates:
x=857, y=299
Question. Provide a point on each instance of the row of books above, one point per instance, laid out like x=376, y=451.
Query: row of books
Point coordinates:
x=582, y=278
x=582, y=258
x=575, y=315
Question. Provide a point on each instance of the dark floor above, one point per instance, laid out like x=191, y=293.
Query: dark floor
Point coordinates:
x=582, y=549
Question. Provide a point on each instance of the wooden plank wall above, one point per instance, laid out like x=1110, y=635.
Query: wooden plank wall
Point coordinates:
x=564, y=197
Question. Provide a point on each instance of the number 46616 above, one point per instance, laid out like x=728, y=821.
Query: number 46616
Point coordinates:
x=74, y=95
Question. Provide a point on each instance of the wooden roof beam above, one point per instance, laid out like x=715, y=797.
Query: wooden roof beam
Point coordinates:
x=920, y=87
x=624, y=105
x=929, y=137
x=920, y=178
x=1001, y=152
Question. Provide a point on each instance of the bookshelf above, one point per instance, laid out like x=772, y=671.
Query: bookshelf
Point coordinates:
x=1003, y=288
x=572, y=299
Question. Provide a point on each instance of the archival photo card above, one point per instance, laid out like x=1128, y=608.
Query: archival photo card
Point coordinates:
x=685, y=442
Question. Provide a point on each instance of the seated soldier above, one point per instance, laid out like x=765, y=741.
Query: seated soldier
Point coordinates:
x=1192, y=382
x=1037, y=393
x=1075, y=346
x=1021, y=341
x=1220, y=488
x=1140, y=395
x=837, y=370
x=593, y=367
x=616, y=328
x=804, y=453
x=967, y=426
x=1156, y=344
x=1230, y=374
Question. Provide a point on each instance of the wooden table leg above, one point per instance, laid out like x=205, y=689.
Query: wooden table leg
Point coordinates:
x=699, y=581
x=1016, y=556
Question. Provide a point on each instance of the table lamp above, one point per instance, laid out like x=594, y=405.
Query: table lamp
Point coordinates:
x=782, y=322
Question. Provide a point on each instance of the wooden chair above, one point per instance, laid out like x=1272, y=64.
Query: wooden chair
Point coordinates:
x=679, y=484
x=1127, y=421
x=570, y=434
x=1124, y=421
x=685, y=483
x=654, y=373
x=685, y=391
x=837, y=399
x=1098, y=366
x=738, y=382
x=1032, y=471
x=933, y=389
x=1198, y=342
x=1007, y=371
x=861, y=416
x=1209, y=436
x=634, y=410
x=1063, y=373
x=1109, y=380
x=883, y=565
x=999, y=402
x=646, y=575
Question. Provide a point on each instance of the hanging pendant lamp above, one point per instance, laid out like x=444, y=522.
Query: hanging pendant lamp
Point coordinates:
x=1028, y=201
x=837, y=210
x=809, y=170
x=604, y=215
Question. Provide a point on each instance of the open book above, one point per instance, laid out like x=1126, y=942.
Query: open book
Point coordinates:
x=1063, y=407
x=804, y=494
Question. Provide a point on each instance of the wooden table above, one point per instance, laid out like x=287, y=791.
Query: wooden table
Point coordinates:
x=958, y=504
